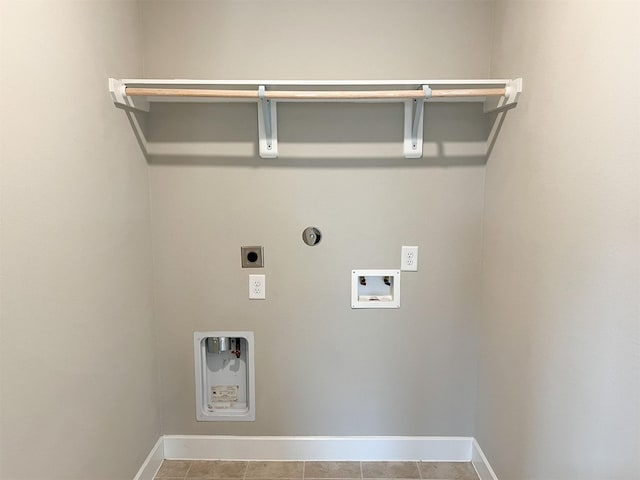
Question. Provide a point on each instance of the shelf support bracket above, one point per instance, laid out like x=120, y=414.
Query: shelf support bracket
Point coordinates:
x=267, y=125
x=506, y=103
x=122, y=100
x=510, y=99
x=413, y=124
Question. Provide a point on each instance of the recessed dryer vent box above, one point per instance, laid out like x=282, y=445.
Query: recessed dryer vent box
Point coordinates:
x=375, y=289
x=225, y=381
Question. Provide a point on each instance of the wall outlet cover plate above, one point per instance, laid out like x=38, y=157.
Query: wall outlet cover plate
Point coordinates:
x=409, y=259
x=257, y=287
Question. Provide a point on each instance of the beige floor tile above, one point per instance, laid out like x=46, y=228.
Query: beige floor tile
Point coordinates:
x=274, y=470
x=448, y=471
x=332, y=470
x=274, y=478
x=218, y=469
x=173, y=469
x=208, y=478
x=390, y=470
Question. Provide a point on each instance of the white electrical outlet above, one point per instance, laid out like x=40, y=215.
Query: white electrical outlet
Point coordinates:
x=257, y=289
x=409, y=259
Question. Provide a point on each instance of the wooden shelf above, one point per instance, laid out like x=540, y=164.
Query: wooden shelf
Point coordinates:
x=497, y=95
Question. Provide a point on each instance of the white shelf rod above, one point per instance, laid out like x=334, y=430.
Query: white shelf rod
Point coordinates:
x=136, y=95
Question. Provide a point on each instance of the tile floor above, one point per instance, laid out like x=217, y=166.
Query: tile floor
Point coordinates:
x=237, y=470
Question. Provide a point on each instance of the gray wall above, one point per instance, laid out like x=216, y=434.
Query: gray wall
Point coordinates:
x=321, y=367
x=558, y=390
x=559, y=393
x=77, y=350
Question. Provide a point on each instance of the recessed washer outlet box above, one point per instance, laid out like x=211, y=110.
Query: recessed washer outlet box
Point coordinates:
x=375, y=289
x=252, y=257
x=225, y=380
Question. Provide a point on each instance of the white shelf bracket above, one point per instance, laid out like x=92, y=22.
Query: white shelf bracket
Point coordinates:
x=413, y=125
x=122, y=100
x=267, y=125
x=513, y=89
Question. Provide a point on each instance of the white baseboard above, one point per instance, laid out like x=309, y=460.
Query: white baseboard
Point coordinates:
x=151, y=465
x=445, y=449
x=205, y=447
x=481, y=464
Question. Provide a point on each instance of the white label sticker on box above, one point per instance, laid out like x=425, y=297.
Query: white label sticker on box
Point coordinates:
x=224, y=393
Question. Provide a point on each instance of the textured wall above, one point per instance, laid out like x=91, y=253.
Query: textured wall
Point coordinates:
x=77, y=354
x=321, y=367
x=559, y=390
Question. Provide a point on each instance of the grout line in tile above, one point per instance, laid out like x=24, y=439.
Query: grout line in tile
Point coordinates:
x=361, y=474
x=246, y=469
x=304, y=466
x=187, y=472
